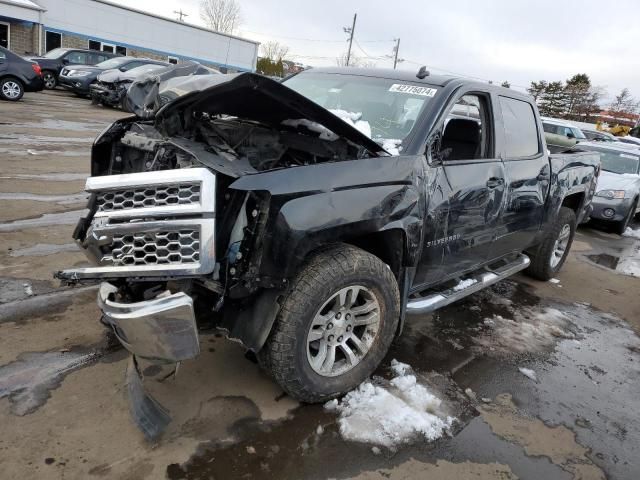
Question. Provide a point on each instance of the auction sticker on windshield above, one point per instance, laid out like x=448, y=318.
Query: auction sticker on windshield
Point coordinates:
x=413, y=90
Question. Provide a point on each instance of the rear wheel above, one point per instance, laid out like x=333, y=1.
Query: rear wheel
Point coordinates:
x=550, y=255
x=11, y=89
x=620, y=227
x=335, y=325
x=50, y=80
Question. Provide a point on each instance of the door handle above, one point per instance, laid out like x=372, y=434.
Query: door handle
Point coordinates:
x=494, y=182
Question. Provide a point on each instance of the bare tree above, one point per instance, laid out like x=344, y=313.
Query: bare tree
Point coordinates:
x=274, y=51
x=221, y=15
x=624, y=103
x=354, y=61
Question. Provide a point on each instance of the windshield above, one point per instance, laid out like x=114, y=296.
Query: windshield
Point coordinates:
x=112, y=63
x=615, y=161
x=578, y=133
x=55, y=53
x=381, y=108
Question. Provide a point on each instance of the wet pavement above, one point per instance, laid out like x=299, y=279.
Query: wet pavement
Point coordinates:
x=63, y=409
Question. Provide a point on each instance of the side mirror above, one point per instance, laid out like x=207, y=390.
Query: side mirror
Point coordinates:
x=570, y=135
x=65, y=61
x=123, y=69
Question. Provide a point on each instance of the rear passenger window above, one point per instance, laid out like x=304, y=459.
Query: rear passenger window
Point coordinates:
x=520, y=128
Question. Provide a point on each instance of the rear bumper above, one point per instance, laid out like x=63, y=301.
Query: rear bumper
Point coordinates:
x=34, y=85
x=603, y=208
x=161, y=330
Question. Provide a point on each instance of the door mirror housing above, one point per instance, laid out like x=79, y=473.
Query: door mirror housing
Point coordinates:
x=570, y=135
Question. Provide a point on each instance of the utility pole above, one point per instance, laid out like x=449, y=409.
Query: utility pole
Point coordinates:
x=350, y=31
x=396, y=49
x=180, y=14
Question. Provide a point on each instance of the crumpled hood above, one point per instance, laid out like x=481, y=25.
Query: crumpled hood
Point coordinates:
x=256, y=97
x=143, y=96
x=114, y=75
x=616, y=181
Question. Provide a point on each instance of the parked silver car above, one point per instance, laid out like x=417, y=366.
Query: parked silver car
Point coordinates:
x=618, y=188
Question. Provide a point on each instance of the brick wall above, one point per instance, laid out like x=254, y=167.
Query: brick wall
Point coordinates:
x=22, y=38
x=73, y=41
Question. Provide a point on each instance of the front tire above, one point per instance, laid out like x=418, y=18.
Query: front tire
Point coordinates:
x=550, y=255
x=620, y=227
x=335, y=324
x=11, y=89
x=50, y=80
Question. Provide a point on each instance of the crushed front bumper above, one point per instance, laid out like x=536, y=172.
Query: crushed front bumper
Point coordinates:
x=162, y=330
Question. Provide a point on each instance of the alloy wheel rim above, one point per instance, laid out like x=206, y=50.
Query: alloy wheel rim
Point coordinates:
x=560, y=246
x=11, y=89
x=343, y=331
x=48, y=80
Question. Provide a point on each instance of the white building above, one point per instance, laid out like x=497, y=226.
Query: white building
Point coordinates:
x=37, y=26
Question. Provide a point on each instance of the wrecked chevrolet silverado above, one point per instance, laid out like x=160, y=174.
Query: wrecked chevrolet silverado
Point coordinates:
x=307, y=218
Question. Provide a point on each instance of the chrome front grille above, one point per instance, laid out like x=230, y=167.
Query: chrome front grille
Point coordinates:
x=159, y=196
x=158, y=224
x=156, y=248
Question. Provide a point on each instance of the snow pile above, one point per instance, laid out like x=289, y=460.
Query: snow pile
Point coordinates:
x=630, y=232
x=464, y=284
x=554, y=280
x=353, y=119
x=527, y=372
x=392, y=413
x=391, y=145
x=324, y=132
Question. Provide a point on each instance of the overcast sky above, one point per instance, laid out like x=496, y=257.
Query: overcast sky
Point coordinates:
x=499, y=40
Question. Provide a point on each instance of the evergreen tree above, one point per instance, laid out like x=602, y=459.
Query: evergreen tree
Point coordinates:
x=552, y=102
x=506, y=84
x=537, y=89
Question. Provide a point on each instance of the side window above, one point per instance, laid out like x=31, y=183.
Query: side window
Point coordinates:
x=467, y=135
x=2, y=56
x=549, y=128
x=520, y=128
x=131, y=65
x=77, y=58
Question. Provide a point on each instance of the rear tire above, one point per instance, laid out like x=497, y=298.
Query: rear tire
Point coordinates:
x=550, y=255
x=50, y=80
x=620, y=227
x=11, y=89
x=345, y=291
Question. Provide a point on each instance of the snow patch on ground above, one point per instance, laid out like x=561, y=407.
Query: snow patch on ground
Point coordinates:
x=391, y=413
x=527, y=372
x=554, y=280
x=630, y=232
x=464, y=284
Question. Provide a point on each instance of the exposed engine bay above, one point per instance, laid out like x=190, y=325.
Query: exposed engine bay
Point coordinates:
x=261, y=147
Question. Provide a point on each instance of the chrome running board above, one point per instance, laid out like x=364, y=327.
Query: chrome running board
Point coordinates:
x=481, y=279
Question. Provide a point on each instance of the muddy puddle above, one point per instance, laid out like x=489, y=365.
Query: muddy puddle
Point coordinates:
x=57, y=199
x=585, y=363
x=51, y=177
x=29, y=380
x=21, y=305
x=48, y=219
x=45, y=154
x=67, y=125
x=44, y=249
x=41, y=140
x=627, y=262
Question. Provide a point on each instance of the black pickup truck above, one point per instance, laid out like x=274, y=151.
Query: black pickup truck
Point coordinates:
x=308, y=218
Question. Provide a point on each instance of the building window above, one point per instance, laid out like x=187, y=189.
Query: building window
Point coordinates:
x=173, y=60
x=107, y=47
x=4, y=34
x=52, y=40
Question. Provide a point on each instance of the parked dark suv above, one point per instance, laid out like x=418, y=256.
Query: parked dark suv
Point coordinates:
x=54, y=60
x=17, y=76
x=78, y=78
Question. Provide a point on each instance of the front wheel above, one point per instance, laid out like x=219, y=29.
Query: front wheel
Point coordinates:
x=620, y=227
x=335, y=325
x=547, y=259
x=50, y=80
